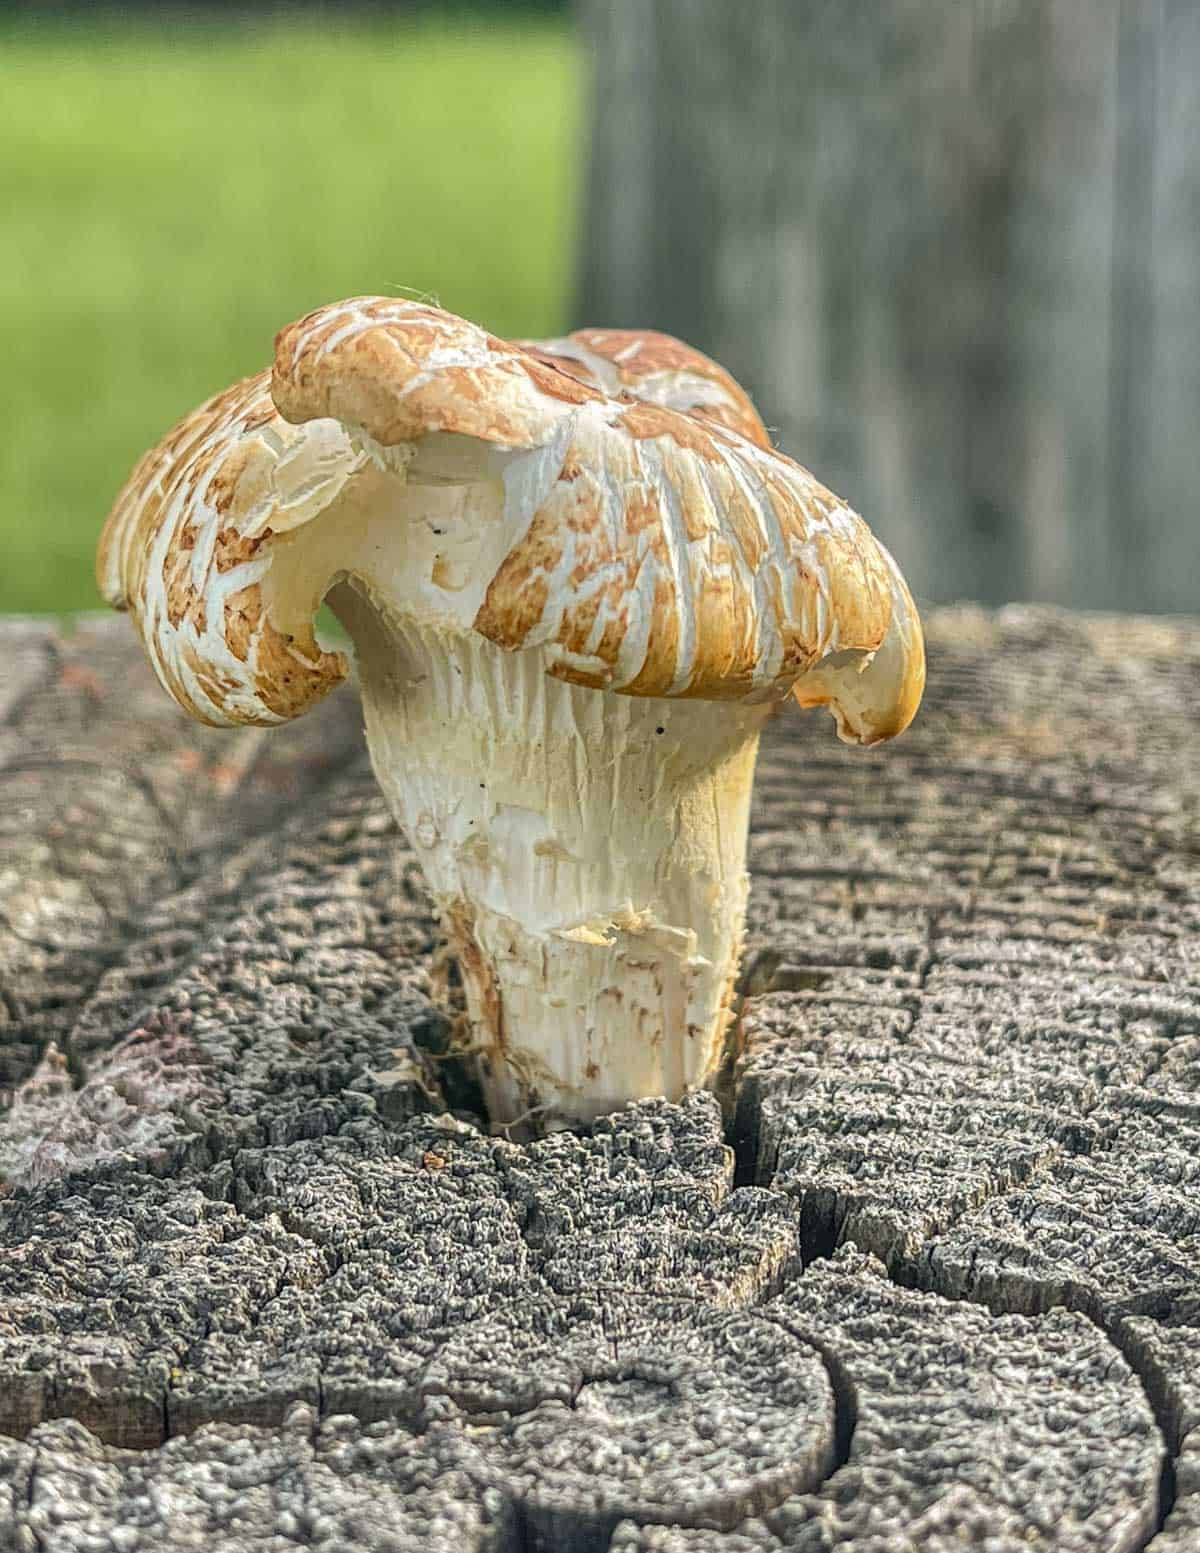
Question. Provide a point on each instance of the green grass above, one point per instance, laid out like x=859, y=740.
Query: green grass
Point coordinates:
x=170, y=198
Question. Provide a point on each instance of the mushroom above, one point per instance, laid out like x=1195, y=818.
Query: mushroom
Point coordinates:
x=577, y=579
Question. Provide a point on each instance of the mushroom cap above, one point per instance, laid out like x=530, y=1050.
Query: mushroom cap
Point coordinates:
x=647, y=537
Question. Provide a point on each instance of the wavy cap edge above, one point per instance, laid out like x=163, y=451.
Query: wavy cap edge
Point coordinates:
x=179, y=552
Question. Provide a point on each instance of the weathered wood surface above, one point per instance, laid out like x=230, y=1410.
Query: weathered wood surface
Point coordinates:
x=953, y=251
x=932, y=1281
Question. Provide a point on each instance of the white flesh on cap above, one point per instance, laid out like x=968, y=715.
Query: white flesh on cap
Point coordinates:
x=585, y=850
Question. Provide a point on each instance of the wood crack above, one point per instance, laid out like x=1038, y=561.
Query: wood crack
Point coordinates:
x=921, y=1277
x=978, y=1049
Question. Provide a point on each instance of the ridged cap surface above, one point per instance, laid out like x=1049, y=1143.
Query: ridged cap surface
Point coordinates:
x=669, y=551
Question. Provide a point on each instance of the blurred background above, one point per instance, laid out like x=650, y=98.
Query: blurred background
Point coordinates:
x=953, y=250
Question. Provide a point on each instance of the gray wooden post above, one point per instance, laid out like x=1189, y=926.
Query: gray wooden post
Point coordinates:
x=954, y=252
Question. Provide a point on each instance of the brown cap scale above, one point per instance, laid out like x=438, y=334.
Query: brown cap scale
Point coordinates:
x=553, y=559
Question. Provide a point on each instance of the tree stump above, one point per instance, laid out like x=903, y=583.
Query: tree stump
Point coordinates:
x=925, y=1274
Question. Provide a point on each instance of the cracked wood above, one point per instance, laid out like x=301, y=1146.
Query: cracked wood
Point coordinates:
x=259, y=1288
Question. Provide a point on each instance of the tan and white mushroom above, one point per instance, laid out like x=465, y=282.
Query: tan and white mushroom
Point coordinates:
x=577, y=578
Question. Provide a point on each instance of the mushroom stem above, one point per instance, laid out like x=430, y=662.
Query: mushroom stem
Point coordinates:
x=586, y=853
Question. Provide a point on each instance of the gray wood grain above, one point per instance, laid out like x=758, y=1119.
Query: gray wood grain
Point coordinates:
x=968, y=1431
x=952, y=251
x=931, y=1280
x=335, y=1484
x=107, y=805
